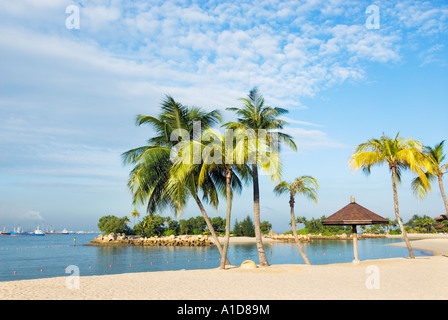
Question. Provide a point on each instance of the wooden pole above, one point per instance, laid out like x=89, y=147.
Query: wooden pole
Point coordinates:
x=355, y=244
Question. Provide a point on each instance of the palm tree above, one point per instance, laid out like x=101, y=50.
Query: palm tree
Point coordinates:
x=212, y=166
x=223, y=156
x=148, y=180
x=135, y=214
x=306, y=186
x=256, y=116
x=436, y=158
x=399, y=154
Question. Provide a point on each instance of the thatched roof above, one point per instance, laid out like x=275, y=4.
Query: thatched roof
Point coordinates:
x=441, y=218
x=354, y=214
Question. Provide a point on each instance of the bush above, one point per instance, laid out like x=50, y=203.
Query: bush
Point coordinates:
x=244, y=228
x=168, y=233
x=111, y=223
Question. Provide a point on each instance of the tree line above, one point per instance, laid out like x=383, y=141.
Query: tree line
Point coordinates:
x=156, y=225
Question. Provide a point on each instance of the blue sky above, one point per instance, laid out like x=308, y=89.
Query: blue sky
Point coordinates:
x=69, y=97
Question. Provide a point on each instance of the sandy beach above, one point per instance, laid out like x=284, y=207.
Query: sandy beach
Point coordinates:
x=399, y=278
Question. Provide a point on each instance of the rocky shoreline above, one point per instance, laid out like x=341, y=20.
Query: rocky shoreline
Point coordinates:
x=113, y=239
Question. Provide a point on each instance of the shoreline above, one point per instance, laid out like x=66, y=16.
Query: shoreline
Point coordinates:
x=396, y=278
x=381, y=279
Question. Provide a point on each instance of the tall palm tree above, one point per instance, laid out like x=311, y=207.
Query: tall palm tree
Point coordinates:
x=213, y=165
x=255, y=115
x=436, y=157
x=399, y=154
x=148, y=180
x=306, y=186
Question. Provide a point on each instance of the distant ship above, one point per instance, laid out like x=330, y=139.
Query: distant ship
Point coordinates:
x=5, y=233
x=18, y=233
x=54, y=232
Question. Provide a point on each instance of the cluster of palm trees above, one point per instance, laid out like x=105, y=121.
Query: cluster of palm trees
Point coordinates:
x=186, y=158
x=167, y=172
x=401, y=154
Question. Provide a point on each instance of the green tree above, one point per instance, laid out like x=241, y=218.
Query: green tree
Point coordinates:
x=248, y=227
x=418, y=222
x=183, y=227
x=306, y=186
x=111, y=223
x=135, y=214
x=245, y=228
x=399, y=154
x=314, y=225
x=219, y=224
x=436, y=157
x=171, y=227
x=237, y=228
x=152, y=225
x=265, y=226
x=255, y=115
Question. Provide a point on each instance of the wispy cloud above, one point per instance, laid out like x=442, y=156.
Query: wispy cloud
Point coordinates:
x=310, y=139
x=305, y=123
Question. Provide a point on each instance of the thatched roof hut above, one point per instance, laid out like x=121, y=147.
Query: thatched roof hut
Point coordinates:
x=354, y=214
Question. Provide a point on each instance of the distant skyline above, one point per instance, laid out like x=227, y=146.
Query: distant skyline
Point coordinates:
x=70, y=90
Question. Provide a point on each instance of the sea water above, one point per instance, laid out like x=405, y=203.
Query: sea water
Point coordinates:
x=54, y=255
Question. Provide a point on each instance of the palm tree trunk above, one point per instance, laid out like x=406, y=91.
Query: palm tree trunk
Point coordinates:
x=294, y=231
x=397, y=213
x=257, y=223
x=443, y=193
x=229, y=209
x=209, y=225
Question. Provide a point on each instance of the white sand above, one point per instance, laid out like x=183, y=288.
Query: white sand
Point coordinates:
x=400, y=278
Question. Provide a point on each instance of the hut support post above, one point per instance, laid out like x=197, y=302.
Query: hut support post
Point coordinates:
x=355, y=244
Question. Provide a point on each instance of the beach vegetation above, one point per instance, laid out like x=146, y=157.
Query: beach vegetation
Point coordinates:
x=112, y=224
x=306, y=186
x=151, y=182
x=436, y=157
x=245, y=228
x=399, y=154
x=151, y=225
x=135, y=214
x=421, y=224
x=223, y=160
x=256, y=116
x=265, y=227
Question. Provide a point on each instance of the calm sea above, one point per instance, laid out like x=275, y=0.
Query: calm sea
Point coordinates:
x=49, y=256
